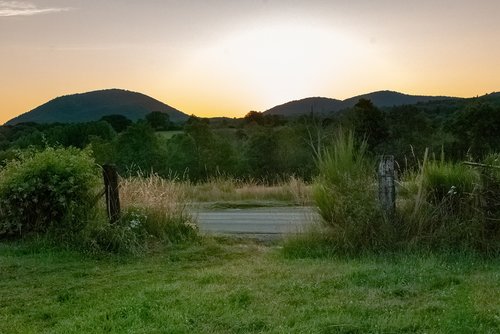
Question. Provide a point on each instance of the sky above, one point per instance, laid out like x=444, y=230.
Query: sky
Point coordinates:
x=227, y=57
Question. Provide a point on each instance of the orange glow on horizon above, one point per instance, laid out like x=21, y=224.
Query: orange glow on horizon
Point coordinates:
x=227, y=58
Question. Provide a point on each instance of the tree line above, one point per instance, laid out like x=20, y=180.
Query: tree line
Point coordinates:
x=266, y=147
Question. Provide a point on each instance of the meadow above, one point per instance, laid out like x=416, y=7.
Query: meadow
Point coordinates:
x=238, y=286
x=432, y=267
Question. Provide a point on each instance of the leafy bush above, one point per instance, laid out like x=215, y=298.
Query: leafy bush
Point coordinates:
x=345, y=194
x=48, y=191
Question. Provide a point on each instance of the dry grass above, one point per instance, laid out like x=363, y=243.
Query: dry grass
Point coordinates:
x=160, y=206
x=153, y=192
x=293, y=191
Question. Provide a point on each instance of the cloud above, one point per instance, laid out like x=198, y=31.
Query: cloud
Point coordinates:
x=23, y=8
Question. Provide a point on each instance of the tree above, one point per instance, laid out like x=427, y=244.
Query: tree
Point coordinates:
x=254, y=117
x=80, y=134
x=159, y=121
x=118, y=122
x=368, y=122
x=410, y=133
x=477, y=129
x=138, y=149
x=262, y=154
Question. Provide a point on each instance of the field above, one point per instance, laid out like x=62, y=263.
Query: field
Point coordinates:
x=237, y=286
x=433, y=269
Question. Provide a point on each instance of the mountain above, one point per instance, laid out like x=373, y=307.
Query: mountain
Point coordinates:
x=305, y=106
x=91, y=106
x=387, y=98
x=325, y=105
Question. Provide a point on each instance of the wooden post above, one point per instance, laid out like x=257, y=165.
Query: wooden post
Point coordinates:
x=112, y=193
x=386, y=185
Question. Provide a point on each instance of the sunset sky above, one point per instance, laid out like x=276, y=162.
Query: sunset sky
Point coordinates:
x=226, y=57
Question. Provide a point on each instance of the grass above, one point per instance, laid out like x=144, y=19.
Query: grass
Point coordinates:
x=345, y=194
x=219, y=286
x=223, y=189
x=173, y=195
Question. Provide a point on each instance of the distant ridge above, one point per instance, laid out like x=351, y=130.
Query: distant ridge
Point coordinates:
x=91, y=106
x=304, y=106
x=323, y=105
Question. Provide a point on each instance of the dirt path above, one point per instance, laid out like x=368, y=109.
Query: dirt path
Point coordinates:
x=269, y=221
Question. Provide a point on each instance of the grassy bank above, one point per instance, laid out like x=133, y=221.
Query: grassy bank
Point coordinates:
x=229, y=287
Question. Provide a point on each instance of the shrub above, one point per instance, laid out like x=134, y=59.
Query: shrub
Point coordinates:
x=448, y=206
x=48, y=191
x=345, y=193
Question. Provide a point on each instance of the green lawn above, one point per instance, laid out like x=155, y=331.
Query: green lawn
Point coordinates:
x=242, y=287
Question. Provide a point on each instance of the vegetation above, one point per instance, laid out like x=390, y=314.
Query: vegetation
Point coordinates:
x=451, y=206
x=351, y=274
x=226, y=287
x=423, y=270
x=54, y=195
x=91, y=106
x=269, y=147
x=345, y=193
x=50, y=191
x=443, y=205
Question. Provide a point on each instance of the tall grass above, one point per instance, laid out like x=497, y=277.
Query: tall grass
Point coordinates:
x=444, y=205
x=159, y=205
x=441, y=206
x=345, y=193
x=153, y=213
x=292, y=190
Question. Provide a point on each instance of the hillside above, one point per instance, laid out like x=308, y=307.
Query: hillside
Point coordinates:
x=325, y=105
x=92, y=106
x=299, y=107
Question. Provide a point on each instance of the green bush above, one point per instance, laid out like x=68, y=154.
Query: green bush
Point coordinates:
x=48, y=191
x=449, y=206
x=345, y=193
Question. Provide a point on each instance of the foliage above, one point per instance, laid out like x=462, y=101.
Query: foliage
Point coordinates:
x=368, y=122
x=262, y=154
x=345, y=195
x=118, y=122
x=445, y=206
x=268, y=147
x=258, y=118
x=160, y=121
x=79, y=135
x=49, y=191
x=477, y=129
x=138, y=149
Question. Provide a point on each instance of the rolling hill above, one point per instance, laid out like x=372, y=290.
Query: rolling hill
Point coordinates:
x=323, y=105
x=299, y=107
x=91, y=106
